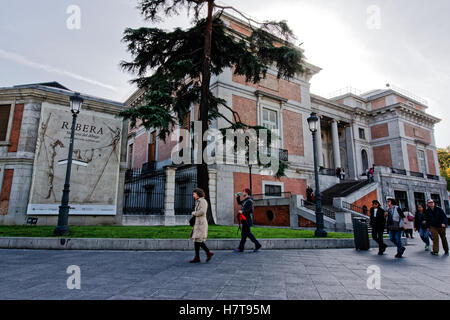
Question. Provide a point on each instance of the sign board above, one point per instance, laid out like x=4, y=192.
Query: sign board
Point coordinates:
x=94, y=181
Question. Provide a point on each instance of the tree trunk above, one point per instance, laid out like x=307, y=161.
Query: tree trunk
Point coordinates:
x=202, y=169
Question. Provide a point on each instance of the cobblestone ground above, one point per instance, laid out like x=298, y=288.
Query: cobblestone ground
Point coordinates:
x=290, y=274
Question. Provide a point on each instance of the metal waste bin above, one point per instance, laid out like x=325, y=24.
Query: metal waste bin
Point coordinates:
x=361, y=233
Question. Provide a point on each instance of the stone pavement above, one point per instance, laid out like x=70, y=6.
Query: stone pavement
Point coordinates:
x=288, y=274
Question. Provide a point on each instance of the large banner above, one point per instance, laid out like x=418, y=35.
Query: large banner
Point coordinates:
x=93, y=188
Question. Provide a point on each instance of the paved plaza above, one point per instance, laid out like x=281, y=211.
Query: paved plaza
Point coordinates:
x=289, y=274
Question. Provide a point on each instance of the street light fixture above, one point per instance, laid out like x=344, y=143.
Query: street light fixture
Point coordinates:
x=313, y=122
x=62, y=229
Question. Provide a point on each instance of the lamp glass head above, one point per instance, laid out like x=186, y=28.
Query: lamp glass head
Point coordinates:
x=313, y=122
x=75, y=102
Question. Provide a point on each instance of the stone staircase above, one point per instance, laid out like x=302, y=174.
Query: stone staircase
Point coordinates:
x=341, y=190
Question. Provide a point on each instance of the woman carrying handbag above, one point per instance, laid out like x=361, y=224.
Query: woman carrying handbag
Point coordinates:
x=200, y=226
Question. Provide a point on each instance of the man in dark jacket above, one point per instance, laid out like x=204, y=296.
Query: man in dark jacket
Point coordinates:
x=438, y=222
x=378, y=223
x=245, y=216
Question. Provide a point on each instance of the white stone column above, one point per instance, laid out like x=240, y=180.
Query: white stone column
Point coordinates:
x=212, y=173
x=319, y=144
x=169, y=197
x=335, y=137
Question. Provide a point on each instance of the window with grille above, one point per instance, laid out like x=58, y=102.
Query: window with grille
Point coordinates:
x=362, y=134
x=272, y=190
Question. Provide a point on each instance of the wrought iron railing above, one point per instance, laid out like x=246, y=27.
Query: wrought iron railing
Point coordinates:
x=144, y=192
x=327, y=172
x=273, y=195
x=312, y=206
x=399, y=171
x=416, y=174
x=355, y=208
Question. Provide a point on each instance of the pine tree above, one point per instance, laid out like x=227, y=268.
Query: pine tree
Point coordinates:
x=175, y=67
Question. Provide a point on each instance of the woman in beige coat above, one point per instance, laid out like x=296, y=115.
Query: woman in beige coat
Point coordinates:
x=200, y=230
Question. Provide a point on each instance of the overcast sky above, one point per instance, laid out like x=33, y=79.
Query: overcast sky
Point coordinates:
x=358, y=43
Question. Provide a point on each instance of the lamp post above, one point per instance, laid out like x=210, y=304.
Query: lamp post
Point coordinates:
x=313, y=122
x=62, y=229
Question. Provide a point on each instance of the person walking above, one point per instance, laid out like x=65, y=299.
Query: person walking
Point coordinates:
x=338, y=173
x=309, y=194
x=396, y=223
x=421, y=226
x=409, y=223
x=378, y=223
x=342, y=174
x=245, y=217
x=436, y=218
x=200, y=230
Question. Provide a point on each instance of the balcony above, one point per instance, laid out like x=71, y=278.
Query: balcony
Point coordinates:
x=421, y=175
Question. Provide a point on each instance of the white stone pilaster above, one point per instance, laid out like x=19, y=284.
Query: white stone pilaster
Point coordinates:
x=319, y=144
x=335, y=137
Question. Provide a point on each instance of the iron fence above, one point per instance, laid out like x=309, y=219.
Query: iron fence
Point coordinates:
x=144, y=192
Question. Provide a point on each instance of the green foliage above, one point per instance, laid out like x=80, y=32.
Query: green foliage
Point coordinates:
x=444, y=164
x=169, y=64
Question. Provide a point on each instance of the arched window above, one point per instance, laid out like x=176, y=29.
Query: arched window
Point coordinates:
x=365, y=160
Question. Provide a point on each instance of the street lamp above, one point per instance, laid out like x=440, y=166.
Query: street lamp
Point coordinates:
x=313, y=122
x=62, y=229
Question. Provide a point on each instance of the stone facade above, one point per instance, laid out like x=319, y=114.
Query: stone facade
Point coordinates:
x=385, y=128
x=20, y=151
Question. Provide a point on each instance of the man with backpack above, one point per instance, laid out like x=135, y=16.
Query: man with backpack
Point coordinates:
x=396, y=223
x=245, y=218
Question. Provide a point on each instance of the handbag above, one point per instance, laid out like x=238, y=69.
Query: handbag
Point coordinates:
x=410, y=218
x=395, y=226
x=192, y=221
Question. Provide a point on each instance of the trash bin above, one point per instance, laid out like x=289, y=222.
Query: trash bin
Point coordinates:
x=361, y=233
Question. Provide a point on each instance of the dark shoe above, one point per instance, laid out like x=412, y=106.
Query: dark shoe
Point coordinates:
x=402, y=251
x=434, y=253
x=398, y=255
x=209, y=255
x=195, y=260
x=380, y=253
x=257, y=248
x=446, y=253
x=384, y=248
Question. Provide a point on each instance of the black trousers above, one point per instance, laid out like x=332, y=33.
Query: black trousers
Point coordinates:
x=246, y=233
x=198, y=245
x=377, y=235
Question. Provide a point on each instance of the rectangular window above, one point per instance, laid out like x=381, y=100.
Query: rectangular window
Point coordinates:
x=152, y=147
x=437, y=199
x=272, y=190
x=4, y=120
x=402, y=198
x=270, y=119
x=362, y=134
x=419, y=198
x=421, y=161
